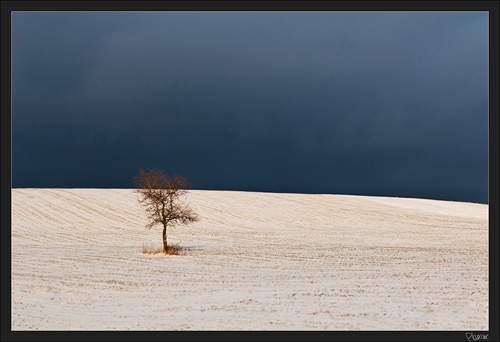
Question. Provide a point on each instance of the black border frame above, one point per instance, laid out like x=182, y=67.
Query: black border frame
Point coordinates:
x=6, y=171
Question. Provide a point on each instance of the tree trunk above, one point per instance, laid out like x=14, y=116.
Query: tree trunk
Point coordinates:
x=165, y=239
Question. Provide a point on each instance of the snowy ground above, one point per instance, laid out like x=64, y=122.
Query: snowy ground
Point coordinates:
x=255, y=261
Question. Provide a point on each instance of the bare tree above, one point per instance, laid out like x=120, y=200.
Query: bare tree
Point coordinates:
x=161, y=198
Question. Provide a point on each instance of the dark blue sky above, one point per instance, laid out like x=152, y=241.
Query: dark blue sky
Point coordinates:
x=362, y=103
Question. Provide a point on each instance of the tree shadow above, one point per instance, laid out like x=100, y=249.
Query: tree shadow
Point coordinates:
x=190, y=248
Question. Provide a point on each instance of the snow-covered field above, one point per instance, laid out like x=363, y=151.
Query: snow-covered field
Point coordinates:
x=254, y=261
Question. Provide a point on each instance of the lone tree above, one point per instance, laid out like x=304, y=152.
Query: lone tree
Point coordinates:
x=161, y=198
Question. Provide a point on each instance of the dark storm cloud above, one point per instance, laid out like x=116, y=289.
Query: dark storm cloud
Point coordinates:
x=332, y=102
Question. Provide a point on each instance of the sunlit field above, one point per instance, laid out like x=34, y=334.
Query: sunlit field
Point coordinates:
x=254, y=261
